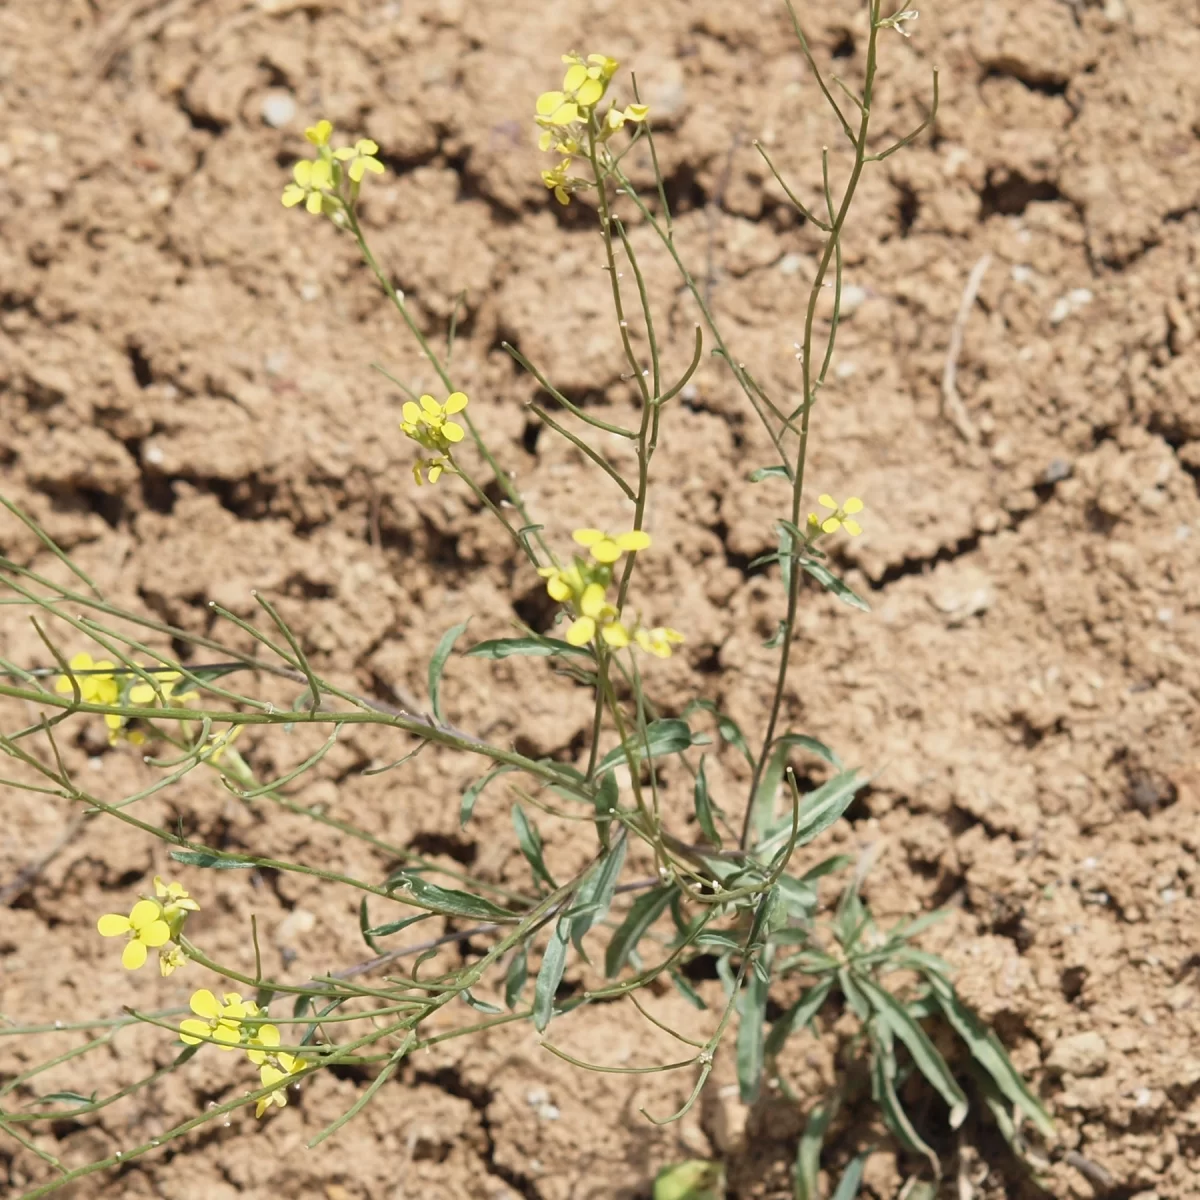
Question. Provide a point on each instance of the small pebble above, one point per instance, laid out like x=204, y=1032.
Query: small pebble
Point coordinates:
x=278, y=108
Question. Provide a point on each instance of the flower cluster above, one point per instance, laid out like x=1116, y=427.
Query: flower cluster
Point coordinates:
x=842, y=516
x=583, y=588
x=98, y=684
x=317, y=183
x=232, y=1023
x=428, y=425
x=152, y=924
x=570, y=124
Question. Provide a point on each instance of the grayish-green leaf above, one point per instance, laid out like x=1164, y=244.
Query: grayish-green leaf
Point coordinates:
x=824, y=576
x=752, y=1012
x=515, y=977
x=396, y=926
x=798, y=1016
x=364, y=927
x=208, y=858
x=65, y=1098
x=989, y=1052
x=437, y=664
x=703, y=807
x=549, y=976
x=776, y=472
x=596, y=893
x=806, y=1179
x=644, y=911
x=818, y=811
x=851, y=1179
x=925, y=1054
x=883, y=1089
x=727, y=727
x=535, y=647
x=530, y=842
x=686, y=990
x=667, y=736
x=479, y=1005
x=450, y=900
x=476, y=790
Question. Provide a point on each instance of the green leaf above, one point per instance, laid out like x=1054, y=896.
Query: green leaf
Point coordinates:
x=925, y=1054
x=208, y=674
x=516, y=976
x=787, y=540
x=776, y=639
x=65, y=1098
x=703, y=807
x=989, y=1052
x=480, y=1005
x=535, y=647
x=798, y=1016
x=596, y=893
x=364, y=927
x=883, y=1089
x=727, y=727
x=550, y=973
x=851, y=1179
x=686, y=990
x=778, y=472
x=449, y=901
x=467, y=807
x=437, y=664
x=210, y=858
x=667, y=736
x=824, y=576
x=530, y=842
x=396, y=926
x=827, y=867
x=644, y=911
x=818, y=811
x=752, y=1013
x=808, y=1152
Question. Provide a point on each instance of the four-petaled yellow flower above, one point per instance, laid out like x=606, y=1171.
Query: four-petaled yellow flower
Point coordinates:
x=319, y=133
x=606, y=547
x=841, y=517
x=427, y=424
x=563, y=583
x=597, y=614
x=584, y=85
x=146, y=928
x=361, y=157
x=98, y=688
x=659, y=640
x=274, y=1066
x=312, y=180
x=220, y=1020
x=170, y=959
x=144, y=695
x=615, y=118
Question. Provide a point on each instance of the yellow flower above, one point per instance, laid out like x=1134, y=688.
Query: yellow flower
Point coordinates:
x=841, y=517
x=312, y=181
x=175, y=900
x=145, y=927
x=170, y=959
x=606, y=547
x=144, y=695
x=563, y=583
x=426, y=423
x=319, y=133
x=361, y=157
x=597, y=614
x=220, y=1020
x=584, y=85
x=659, y=640
x=275, y=1066
x=98, y=687
x=559, y=182
x=615, y=118
x=219, y=743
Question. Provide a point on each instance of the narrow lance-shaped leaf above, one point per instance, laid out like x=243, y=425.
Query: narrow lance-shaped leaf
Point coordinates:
x=989, y=1052
x=925, y=1054
x=530, y=842
x=827, y=579
x=476, y=790
x=818, y=811
x=645, y=910
x=797, y=1016
x=364, y=927
x=451, y=900
x=536, y=647
x=727, y=727
x=596, y=893
x=437, y=664
x=667, y=736
x=550, y=974
x=752, y=1014
x=883, y=1089
x=515, y=977
x=703, y=807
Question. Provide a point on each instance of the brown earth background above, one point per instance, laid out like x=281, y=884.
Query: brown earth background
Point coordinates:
x=187, y=405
